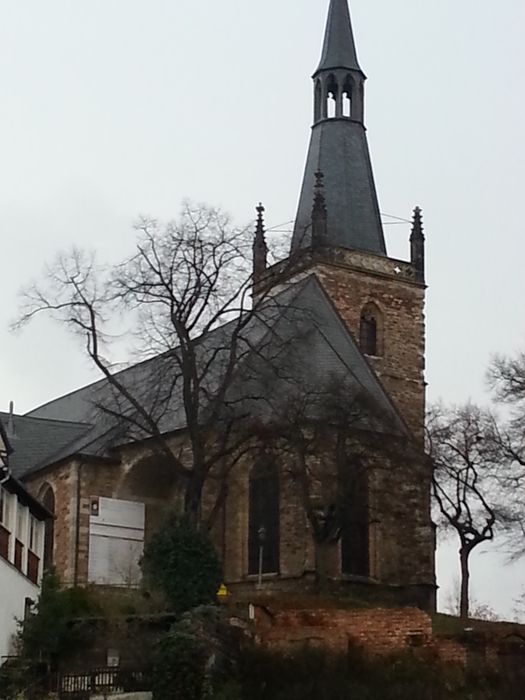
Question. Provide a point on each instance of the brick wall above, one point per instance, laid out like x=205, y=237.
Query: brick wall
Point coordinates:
x=377, y=631
x=385, y=631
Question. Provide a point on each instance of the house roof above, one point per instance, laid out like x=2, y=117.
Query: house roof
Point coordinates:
x=35, y=441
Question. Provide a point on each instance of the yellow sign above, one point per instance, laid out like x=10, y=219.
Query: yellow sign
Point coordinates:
x=223, y=591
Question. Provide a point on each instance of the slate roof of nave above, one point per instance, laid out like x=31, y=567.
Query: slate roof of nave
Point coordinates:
x=298, y=334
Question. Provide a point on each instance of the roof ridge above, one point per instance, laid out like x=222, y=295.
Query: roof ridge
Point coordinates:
x=56, y=421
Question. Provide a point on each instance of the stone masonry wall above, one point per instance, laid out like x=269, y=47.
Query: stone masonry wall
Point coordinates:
x=401, y=366
x=63, y=481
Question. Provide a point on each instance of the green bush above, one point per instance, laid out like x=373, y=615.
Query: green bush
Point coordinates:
x=180, y=668
x=181, y=562
x=48, y=634
x=307, y=674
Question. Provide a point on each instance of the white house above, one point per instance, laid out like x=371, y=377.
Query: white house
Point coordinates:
x=22, y=523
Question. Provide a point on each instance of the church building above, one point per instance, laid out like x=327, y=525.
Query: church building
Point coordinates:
x=353, y=508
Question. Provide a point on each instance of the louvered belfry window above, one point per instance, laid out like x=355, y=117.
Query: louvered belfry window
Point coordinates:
x=264, y=517
x=368, y=334
x=355, y=542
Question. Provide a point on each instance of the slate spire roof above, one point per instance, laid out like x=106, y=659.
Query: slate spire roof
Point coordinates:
x=339, y=50
x=339, y=148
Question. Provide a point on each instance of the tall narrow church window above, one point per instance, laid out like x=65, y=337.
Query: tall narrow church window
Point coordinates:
x=355, y=541
x=47, y=497
x=370, y=331
x=264, y=517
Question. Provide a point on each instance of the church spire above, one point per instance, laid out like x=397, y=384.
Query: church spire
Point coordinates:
x=339, y=147
x=339, y=49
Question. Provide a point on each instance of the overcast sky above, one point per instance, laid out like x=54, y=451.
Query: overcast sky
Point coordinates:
x=114, y=108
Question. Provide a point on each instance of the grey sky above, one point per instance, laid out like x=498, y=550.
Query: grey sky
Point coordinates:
x=111, y=108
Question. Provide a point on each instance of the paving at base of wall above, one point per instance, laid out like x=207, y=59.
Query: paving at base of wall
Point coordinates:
x=125, y=696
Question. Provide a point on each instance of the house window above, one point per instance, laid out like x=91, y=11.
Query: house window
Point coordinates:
x=20, y=538
x=3, y=507
x=20, y=523
x=264, y=518
x=34, y=535
x=370, y=331
x=355, y=539
x=4, y=524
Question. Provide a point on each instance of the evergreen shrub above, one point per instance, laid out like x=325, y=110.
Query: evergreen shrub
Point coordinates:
x=181, y=562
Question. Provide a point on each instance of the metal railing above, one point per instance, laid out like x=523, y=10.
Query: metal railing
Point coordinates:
x=103, y=681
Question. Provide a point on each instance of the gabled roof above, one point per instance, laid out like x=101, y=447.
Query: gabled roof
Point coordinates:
x=297, y=343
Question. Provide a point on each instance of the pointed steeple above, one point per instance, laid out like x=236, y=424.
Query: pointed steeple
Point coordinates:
x=339, y=49
x=339, y=147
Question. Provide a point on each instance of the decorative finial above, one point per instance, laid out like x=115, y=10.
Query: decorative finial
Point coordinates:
x=417, y=223
x=260, y=249
x=319, y=213
x=417, y=245
x=260, y=218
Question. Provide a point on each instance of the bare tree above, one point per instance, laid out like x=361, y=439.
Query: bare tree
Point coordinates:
x=184, y=298
x=465, y=469
x=506, y=377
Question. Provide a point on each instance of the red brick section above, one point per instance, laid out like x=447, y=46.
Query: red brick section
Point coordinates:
x=377, y=631
x=383, y=632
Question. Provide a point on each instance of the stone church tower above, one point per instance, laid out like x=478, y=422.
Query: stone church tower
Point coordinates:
x=338, y=239
x=341, y=238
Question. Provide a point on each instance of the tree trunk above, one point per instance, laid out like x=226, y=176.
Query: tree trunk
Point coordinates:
x=464, y=554
x=192, y=502
x=323, y=564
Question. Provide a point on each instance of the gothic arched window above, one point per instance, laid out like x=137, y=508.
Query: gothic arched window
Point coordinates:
x=47, y=498
x=332, y=94
x=318, y=99
x=371, y=330
x=355, y=539
x=264, y=518
x=347, y=97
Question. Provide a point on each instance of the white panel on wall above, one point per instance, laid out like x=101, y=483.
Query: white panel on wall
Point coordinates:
x=116, y=542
